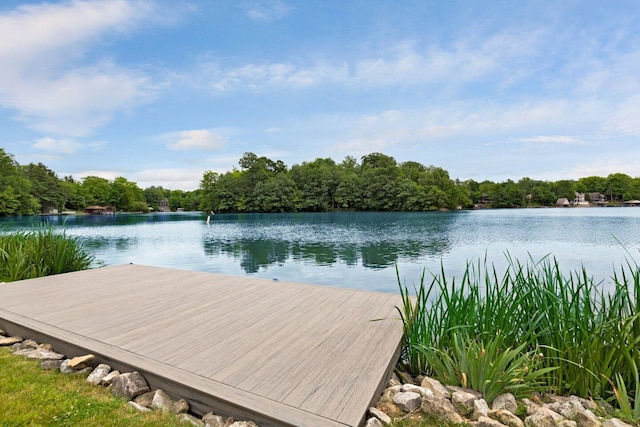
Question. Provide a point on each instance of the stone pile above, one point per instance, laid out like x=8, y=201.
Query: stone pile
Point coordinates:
x=427, y=398
x=131, y=385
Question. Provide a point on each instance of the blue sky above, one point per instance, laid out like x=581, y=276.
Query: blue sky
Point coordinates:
x=161, y=91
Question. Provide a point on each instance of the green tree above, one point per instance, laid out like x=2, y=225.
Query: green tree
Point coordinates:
x=15, y=188
x=176, y=200
x=125, y=195
x=275, y=194
x=45, y=187
x=541, y=194
x=618, y=185
x=317, y=183
x=509, y=195
x=592, y=184
x=564, y=188
x=9, y=201
x=96, y=191
x=74, y=197
x=380, y=182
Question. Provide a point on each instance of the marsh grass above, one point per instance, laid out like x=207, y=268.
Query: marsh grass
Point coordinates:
x=33, y=397
x=40, y=252
x=531, y=328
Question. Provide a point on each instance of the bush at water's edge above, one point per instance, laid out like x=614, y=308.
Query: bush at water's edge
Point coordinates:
x=532, y=328
x=40, y=252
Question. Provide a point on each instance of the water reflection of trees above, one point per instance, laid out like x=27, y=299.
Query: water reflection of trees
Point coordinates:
x=254, y=254
x=121, y=244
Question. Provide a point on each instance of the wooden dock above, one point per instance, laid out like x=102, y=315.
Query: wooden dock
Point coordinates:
x=279, y=353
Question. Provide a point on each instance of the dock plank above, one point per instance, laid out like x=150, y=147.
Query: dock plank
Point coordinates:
x=284, y=354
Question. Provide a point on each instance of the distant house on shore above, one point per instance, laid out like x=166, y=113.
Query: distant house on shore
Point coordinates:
x=563, y=202
x=96, y=210
x=163, y=205
x=632, y=203
x=580, y=200
x=598, y=199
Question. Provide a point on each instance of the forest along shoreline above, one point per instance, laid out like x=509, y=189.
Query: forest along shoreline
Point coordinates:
x=375, y=182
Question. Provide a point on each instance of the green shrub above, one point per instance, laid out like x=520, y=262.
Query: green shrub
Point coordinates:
x=40, y=252
x=572, y=337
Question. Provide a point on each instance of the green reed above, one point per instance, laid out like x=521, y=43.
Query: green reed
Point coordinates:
x=544, y=330
x=40, y=252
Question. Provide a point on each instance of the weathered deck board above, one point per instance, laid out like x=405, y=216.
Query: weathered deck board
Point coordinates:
x=282, y=353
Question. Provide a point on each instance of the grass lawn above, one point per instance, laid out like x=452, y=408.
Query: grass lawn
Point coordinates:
x=34, y=397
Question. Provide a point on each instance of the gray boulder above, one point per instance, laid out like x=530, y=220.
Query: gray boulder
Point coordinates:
x=441, y=408
x=506, y=401
x=212, y=420
x=41, y=354
x=96, y=376
x=584, y=420
x=162, y=401
x=488, y=422
x=480, y=409
x=436, y=387
x=614, y=422
x=384, y=418
x=7, y=341
x=129, y=385
x=463, y=402
x=106, y=381
x=507, y=418
x=407, y=401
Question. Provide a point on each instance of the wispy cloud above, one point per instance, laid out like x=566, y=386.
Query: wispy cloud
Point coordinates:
x=401, y=64
x=265, y=12
x=171, y=178
x=66, y=146
x=47, y=78
x=551, y=140
x=199, y=139
x=603, y=167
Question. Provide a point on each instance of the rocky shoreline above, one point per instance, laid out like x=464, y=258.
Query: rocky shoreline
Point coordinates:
x=420, y=398
x=425, y=398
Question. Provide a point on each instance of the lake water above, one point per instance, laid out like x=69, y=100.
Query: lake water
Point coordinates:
x=358, y=250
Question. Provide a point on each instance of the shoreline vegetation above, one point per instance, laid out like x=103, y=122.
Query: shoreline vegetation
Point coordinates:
x=530, y=329
x=42, y=251
x=375, y=182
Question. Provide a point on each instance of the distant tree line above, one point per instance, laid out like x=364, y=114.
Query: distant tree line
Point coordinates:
x=378, y=183
x=375, y=182
x=34, y=189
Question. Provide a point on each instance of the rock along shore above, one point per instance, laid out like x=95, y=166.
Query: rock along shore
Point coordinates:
x=415, y=398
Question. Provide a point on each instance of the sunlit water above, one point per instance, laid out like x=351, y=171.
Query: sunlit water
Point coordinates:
x=359, y=250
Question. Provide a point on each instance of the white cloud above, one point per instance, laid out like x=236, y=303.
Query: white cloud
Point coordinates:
x=171, y=178
x=200, y=139
x=470, y=59
x=550, y=139
x=66, y=146
x=265, y=12
x=623, y=117
x=106, y=174
x=604, y=167
x=259, y=77
x=47, y=78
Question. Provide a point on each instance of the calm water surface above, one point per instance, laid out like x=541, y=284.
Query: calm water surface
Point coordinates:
x=358, y=250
